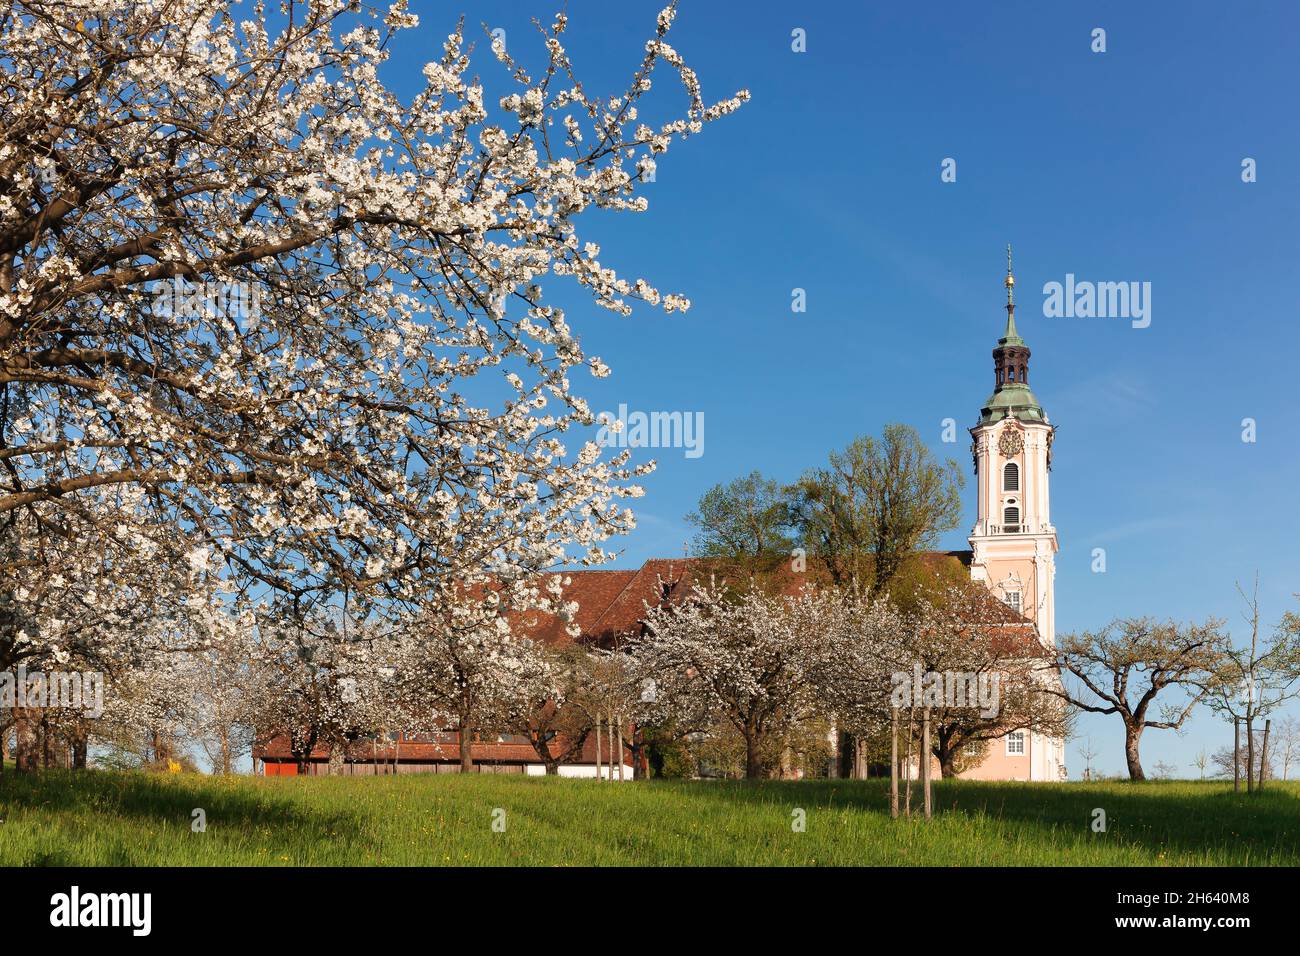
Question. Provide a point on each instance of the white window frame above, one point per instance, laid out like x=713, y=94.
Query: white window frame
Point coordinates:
x=1019, y=737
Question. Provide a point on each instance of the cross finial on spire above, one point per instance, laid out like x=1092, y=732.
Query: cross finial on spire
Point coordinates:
x=1011, y=282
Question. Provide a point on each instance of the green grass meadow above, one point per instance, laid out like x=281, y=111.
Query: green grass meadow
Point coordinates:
x=99, y=818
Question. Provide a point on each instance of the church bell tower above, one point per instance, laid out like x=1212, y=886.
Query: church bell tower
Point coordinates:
x=1013, y=541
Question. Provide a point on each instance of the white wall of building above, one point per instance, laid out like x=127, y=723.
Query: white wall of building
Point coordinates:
x=583, y=771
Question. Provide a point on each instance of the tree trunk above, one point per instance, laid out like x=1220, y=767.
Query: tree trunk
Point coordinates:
x=225, y=751
x=619, y=750
x=1236, y=755
x=551, y=761
x=845, y=755
x=654, y=760
x=338, y=752
x=893, y=763
x=47, y=742
x=753, y=756
x=636, y=748
x=947, y=764
x=80, y=746
x=1263, y=755
x=1250, y=751
x=1132, y=738
x=925, y=759
x=466, y=751
x=907, y=770
x=945, y=751
x=302, y=754
x=24, y=740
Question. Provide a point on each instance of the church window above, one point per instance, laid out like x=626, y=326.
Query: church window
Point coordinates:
x=1011, y=517
x=1014, y=601
x=1011, y=477
x=1016, y=743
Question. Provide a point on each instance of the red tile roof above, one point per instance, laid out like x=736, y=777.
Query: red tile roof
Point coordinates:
x=594, y=592
x=611, y=604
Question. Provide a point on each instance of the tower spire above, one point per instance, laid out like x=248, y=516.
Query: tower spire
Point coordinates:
x=1011, y=395
x=1011, y=336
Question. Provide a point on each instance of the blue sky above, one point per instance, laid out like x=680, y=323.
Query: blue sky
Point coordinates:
x=1115, y=166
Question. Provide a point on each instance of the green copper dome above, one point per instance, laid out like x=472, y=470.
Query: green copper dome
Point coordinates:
x=1012, y=400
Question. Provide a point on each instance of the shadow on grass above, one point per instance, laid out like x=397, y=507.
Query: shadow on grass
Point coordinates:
x=1175, y=817
x=101, y=797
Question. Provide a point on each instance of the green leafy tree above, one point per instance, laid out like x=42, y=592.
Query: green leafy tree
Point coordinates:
x=875, y=504
x=746, y=520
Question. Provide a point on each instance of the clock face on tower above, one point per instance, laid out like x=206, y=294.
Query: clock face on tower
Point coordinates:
x=1011, y=443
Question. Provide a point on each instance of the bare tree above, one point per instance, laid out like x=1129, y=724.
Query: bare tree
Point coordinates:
x=1125, y=666
x=1252, y=681
x=1222, y=761
x=1286, y=743
x=1089, y=753
x=1201, y=761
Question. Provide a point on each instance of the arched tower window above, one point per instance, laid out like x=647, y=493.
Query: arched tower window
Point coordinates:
x=1011, y=477
x=1010, y=518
